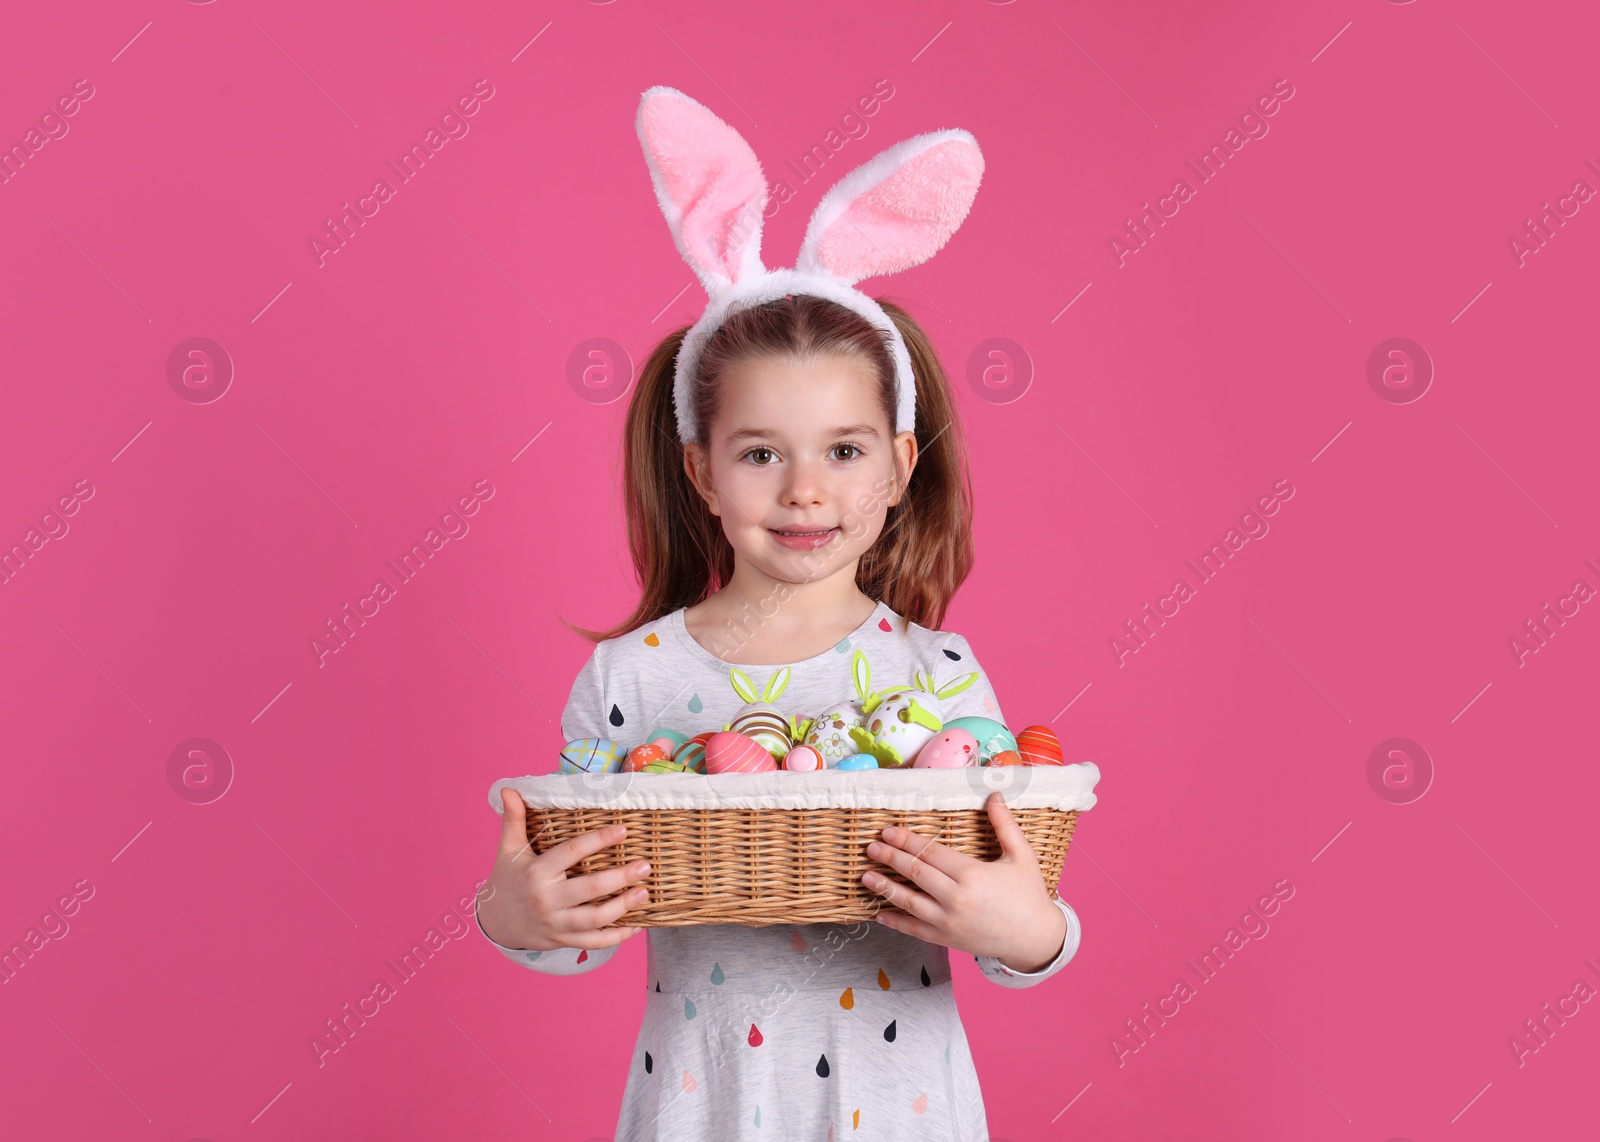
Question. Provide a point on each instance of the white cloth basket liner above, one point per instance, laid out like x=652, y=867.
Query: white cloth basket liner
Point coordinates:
x=1022, y=786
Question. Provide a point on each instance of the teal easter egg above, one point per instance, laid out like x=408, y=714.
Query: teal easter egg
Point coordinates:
x=592, y=755
x=858, y=761
x=672, y=736
x=992, y=736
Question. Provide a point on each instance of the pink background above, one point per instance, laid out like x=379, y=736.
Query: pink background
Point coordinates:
x=370, y=393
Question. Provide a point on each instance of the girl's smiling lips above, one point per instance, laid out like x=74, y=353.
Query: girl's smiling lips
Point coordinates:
x=807, y=540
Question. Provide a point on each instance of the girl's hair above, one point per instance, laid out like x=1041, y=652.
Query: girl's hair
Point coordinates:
x=680, y=553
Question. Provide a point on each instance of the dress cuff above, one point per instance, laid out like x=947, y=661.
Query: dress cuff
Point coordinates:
x=557, y=961
x=993, y=969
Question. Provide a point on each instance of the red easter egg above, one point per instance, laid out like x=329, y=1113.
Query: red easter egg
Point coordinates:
x=730, y=752
x=1006, y=757
x=642, y=755
x=1038, y=745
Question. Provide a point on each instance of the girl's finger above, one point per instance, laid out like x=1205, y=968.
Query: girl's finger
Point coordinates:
x=918, y=859
x=581, y=889
x=513, y=823
x=595, y=939
x=910, y=925
x=1013, y=841
x=942, y=857
x=569, y=852
x=591, y=917
x=906, y=899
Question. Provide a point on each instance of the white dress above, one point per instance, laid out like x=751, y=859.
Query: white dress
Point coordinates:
x=815, y=1031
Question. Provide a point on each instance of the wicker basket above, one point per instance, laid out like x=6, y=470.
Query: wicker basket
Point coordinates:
x=790, y=848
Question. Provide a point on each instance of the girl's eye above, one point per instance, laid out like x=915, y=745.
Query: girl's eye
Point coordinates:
x=758, y=451
x=853, y=448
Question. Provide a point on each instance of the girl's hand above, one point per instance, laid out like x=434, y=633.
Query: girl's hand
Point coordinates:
x=988, y=908
x=532, y=903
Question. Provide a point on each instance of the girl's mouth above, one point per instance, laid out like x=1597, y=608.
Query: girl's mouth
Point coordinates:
x=803, y=540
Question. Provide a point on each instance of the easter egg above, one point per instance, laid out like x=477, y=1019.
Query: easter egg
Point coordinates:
x=693, y=753
x=948, y=749
x=591, y=755
x=1038, y=746
x=732, y=752
x=665, y=765
x=762, y=723
x=858, y=761
x=640, y=757
x=829, y=732
x=992, y=736
x=1006, y=757
x=668, y=739
x=898, y=726
x=802, y=758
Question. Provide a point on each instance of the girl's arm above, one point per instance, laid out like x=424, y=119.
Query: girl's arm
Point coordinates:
x=582, y=717
x=993, y=969
x=952, y=654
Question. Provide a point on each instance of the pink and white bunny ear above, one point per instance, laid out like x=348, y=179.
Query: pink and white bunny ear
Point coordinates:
x=709, y=184
x=896, y=210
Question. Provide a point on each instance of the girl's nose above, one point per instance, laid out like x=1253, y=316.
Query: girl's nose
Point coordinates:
x=804, y=486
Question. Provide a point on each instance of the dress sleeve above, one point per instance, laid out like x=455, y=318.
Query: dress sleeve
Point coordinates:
x=585, y=712
x=557, y=961
x=950, y=659
x=993, y=969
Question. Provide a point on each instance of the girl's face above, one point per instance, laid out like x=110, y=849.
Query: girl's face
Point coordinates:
x=801, y=467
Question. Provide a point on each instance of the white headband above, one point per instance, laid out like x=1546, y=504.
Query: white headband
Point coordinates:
x=893, y=212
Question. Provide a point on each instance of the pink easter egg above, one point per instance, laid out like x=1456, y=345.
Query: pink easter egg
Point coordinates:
x=948, y=749
x=803, y=758
x=731, y=752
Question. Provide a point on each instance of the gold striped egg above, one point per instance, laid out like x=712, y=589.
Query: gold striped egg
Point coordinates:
x=692, y=753
x=764, y=724
x=1038, y=745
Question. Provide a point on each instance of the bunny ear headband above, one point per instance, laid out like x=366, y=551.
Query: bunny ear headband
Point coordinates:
x=890, y=214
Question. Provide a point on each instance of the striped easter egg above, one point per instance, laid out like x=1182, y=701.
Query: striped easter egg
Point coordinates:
x=764, y=724
x=803, y=759
x=591, y=755
x=733, y=752
x=1038, y=746
x=641, y=757
x=693, y=753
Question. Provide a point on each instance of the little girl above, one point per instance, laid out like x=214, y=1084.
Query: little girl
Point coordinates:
x=796, y=492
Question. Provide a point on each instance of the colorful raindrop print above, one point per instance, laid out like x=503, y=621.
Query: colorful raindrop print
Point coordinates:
x=848, y=999
x=883, y=979
x=689, y=1009
x=889, y=1032
x=716, y=973
x=616, y=715
x=822, y=1067
x=754, y=1038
